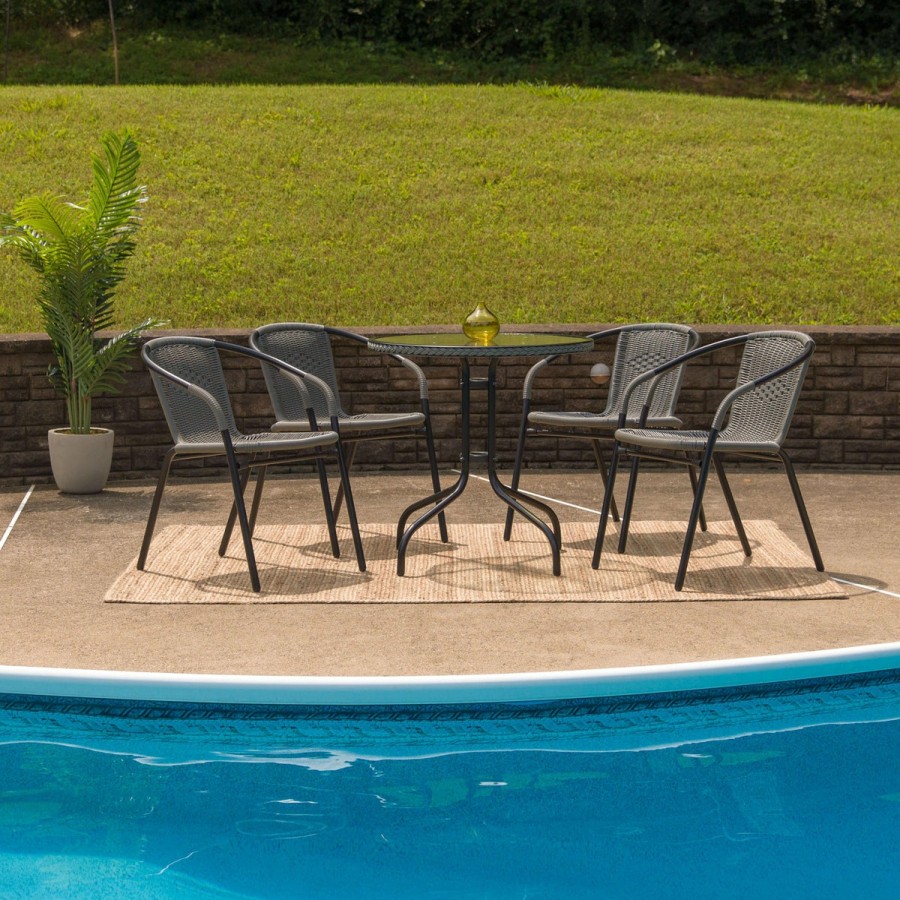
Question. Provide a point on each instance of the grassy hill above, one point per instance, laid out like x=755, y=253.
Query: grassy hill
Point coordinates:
x=377, y=204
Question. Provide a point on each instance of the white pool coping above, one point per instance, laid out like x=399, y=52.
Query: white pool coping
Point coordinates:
x=446, y=689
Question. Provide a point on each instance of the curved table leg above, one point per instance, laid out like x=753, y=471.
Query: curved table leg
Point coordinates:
x=514, y=498
x=442, y=499
x=439, y=501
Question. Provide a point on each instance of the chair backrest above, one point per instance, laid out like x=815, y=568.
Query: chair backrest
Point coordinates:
x=306, y=347
x=640, y=348
x=195, y=360
x=765, y=412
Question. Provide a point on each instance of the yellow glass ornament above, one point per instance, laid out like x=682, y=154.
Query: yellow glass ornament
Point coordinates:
x=481, y=325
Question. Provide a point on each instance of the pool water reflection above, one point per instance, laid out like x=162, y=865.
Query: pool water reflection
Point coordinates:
x=787, y=790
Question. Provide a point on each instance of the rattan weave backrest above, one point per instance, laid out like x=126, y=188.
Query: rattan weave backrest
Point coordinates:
x=640, y=348
x=305, y=347
x=765, y=413
x=196, y=360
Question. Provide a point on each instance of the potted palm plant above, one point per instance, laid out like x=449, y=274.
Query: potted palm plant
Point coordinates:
x=79, y=253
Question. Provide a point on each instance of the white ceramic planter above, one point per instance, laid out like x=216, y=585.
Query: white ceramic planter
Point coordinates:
x=80, y=462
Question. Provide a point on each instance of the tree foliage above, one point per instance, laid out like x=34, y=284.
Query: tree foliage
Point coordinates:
x=726, y=31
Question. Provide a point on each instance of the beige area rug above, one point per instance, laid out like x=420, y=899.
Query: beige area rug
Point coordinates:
x=477, y=566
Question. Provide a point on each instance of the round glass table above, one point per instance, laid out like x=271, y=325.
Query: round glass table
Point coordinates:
x=458, y=346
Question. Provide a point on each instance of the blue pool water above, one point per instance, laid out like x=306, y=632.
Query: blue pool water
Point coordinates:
x=781, y=790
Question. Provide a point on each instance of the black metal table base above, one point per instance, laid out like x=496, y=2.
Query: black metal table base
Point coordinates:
x=438, y=502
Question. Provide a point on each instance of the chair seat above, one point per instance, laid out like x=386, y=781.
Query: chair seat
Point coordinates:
x=361, y=422
x=692, y=440
x=266, y=441
x=592, y=421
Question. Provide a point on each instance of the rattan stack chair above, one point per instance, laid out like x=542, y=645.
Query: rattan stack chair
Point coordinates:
x=751, y=422
x=639, y=348
x=308, y=347
x=190, y=382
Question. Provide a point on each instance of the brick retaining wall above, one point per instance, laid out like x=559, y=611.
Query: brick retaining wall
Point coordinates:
x=848, y=415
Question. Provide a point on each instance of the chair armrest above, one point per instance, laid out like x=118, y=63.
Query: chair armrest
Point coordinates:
x=417, y=371
x=404, y=361
x=655, y=375
x=729, y=400
x=297, y=377
x=535, y=370
x=193, y=389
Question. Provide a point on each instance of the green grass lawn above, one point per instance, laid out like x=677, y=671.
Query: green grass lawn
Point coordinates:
x=404, y=205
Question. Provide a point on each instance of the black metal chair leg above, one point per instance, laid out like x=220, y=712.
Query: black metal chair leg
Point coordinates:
x=257, y=497
x=232, y=514
x=329, y=510
x=732, y=506
x=695, y=512
x=238, y=488
x=601, y=465
x=693, y=477
x=604, y=508
x=154, y=508
x=629, y=503
x=801, y=508
x=351, y=509
x=517, y=468
x=339, y=499
x=435, y=476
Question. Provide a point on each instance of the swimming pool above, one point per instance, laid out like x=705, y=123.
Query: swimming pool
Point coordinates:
x=773, y=778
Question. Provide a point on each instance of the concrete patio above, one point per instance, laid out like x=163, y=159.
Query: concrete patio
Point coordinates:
x=64, y=552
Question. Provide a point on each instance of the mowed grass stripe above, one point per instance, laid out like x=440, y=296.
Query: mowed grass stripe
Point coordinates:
x=365, y=205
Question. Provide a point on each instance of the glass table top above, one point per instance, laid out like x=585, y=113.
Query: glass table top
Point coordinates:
x=504, y=344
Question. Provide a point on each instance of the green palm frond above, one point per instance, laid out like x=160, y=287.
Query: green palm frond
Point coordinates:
x=35, y=228
x=30, y=246
x=111, y=360
x=74, y=282
x=47, y=217
x=73, y=347
x=115, y=196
